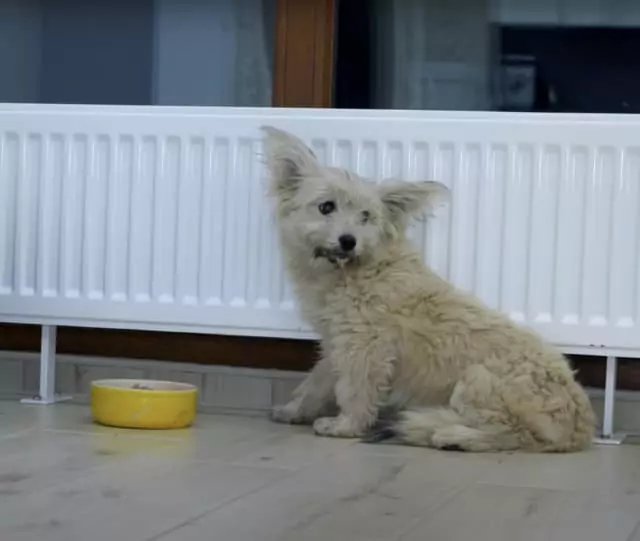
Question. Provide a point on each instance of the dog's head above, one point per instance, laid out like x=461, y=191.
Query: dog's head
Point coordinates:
x=332, y=215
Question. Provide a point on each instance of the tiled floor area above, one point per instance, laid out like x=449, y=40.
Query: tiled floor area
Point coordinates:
x=245, y=479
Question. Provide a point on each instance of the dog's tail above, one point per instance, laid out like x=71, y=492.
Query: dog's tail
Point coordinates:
x=444, y=429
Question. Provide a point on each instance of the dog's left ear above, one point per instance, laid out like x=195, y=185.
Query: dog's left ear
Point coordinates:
x=407, y=199
x=289, y=161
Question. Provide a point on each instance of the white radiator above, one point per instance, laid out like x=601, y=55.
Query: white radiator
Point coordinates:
x=156, y=218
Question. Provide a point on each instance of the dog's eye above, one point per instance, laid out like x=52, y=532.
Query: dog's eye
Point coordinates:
x=327, y=207
x=364, y=216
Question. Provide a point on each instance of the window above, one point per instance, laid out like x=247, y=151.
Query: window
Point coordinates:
x=513, y=55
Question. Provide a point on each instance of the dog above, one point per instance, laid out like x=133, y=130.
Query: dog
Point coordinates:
x=394, y=335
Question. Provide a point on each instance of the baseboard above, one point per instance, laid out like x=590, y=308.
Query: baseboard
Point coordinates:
x=627, y=409
x=233, y=390
x=246, y=391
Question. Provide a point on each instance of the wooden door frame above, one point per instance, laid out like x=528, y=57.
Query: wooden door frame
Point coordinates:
x=304, y=53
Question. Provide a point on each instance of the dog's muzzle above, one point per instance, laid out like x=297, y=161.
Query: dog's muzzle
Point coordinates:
x=335, y=255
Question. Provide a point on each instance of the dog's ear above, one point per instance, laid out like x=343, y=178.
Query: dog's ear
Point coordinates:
x=289, y=161
x=404, y=200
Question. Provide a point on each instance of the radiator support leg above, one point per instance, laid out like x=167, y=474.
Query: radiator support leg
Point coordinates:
x=47, y=394
x=607, y=436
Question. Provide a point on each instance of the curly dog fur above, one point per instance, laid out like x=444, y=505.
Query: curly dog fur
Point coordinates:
x=463, y=376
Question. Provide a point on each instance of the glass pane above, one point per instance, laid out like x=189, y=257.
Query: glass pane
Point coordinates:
x=164, y=52
x=514, y=55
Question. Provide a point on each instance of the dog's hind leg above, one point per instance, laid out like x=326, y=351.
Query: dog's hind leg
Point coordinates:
x=314, y=397
x=473, y=421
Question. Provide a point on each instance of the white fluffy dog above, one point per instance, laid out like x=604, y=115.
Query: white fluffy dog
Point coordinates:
x=463, y=377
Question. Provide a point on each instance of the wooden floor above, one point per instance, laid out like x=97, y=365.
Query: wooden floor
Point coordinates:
x=245, y=479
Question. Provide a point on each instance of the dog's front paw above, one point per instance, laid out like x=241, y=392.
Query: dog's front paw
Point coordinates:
x=338, y=427
x=288, y=414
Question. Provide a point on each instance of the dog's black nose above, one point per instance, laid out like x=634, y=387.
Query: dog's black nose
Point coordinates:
x=347, y=242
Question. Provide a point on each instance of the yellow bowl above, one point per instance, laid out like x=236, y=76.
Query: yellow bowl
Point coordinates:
x=141, y=403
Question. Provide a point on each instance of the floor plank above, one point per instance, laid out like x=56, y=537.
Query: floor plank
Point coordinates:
x=63, y=478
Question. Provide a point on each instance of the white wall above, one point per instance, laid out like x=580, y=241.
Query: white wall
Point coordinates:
x=97, y=52
x=213, y=52
x=194, y=52
x=20, y=50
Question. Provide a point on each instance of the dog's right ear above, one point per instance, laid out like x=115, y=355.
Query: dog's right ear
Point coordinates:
x=289, y=161
x=406, y=199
